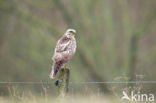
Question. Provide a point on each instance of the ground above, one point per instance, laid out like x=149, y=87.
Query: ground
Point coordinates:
x=93, y=98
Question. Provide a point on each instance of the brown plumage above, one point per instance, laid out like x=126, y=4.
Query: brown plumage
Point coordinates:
x=65, y=49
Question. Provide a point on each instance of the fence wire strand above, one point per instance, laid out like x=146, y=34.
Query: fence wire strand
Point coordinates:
x=88, y=82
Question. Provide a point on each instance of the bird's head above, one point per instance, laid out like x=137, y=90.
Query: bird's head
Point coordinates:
x=70, y=32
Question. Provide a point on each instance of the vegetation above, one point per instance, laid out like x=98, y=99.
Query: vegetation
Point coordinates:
x=116, y=40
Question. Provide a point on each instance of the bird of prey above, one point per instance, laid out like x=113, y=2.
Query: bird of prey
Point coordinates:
x=64, y=51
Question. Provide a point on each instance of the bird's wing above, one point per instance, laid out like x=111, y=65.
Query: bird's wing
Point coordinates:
x=62, y=44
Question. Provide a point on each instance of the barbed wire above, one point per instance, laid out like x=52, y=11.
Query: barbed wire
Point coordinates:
x=117, y=82
x=88, y=82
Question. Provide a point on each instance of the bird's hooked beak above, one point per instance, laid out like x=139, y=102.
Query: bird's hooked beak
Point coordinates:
x=73, y=32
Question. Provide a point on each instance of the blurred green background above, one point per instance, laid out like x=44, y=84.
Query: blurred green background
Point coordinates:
x=115, y=39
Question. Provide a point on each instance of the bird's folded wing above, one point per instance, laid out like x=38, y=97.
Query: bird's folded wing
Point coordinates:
x=62, y=46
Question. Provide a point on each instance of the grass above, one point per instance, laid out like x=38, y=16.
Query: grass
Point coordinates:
x=93, y=98
x=87, y=94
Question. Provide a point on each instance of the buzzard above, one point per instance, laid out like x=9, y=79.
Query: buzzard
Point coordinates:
x=64, y=51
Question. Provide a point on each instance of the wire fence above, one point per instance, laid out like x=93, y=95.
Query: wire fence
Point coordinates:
x=79, y=82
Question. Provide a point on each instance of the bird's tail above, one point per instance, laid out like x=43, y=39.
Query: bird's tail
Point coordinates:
x=55, y=69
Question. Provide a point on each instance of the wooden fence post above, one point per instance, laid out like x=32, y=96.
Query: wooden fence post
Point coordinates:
x=63, y=82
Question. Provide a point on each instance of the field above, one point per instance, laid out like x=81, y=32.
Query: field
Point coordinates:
x=116, y=42
x=91, y=98
x=46, y=94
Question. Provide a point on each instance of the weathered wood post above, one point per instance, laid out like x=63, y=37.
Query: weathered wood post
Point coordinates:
x=63, y=82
